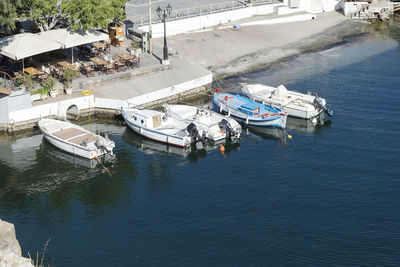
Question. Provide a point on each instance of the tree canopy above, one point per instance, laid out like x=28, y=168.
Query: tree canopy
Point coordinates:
x=86, y=14
x=8, y=14
x=49, y=14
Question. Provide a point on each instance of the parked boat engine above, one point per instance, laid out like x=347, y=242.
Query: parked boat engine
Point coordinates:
x=105, y=143
x=194, y=133
x=225, y=126
x=320, y=105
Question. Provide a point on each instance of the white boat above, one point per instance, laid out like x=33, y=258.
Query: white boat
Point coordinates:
x=75, y=139
x=216, y=126
x=158, y=126
x=295, y=104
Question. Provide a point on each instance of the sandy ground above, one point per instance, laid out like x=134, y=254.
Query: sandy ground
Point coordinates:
x=226, y=51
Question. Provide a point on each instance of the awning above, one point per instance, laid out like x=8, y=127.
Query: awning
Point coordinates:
x=24, y=45
x=68, y=38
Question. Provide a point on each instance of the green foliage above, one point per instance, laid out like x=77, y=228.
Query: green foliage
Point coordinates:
x=89, y=14
x=69, y=74
x=8, y=14
x=45, y=13
x=43, y=91
x=29, y=82
x=49, y=83
x=79, y=14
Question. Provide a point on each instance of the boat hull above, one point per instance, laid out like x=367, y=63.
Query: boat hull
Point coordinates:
x=295, y=104
x=216, y=126
x=262, y=115
x=154, y=134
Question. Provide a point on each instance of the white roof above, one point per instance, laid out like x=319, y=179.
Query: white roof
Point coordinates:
x=68, y=38
x=24, y=45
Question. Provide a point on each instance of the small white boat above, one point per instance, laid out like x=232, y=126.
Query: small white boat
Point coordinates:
x=216, y=126
x=295, y=104
x=75, y=139
x=158, y=126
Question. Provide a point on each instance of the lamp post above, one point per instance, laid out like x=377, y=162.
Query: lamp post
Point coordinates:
x=163, y=14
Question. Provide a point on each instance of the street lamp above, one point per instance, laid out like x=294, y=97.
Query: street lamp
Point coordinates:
x=163, y=14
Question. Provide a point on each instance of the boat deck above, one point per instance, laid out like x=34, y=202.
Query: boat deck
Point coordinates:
x=75, y=135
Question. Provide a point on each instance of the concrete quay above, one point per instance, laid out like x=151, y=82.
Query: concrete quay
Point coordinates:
x=148, y=86
x=261, y=40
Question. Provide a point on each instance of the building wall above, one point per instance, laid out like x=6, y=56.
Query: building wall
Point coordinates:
x=4, y=109
x=16, y=101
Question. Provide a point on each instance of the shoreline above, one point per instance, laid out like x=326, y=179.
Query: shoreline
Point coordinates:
x=333, y=30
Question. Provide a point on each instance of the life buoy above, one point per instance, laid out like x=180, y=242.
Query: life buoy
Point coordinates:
x=87, y=92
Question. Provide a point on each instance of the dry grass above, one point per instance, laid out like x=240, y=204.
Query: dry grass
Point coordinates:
x=39, y=261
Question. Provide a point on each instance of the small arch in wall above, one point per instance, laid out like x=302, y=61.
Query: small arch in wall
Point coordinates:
x=72, y=112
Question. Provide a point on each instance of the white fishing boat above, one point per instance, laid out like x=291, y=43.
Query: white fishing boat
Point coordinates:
x=158, y=126
x=295, y=104
x=216, y=126
x=75, y=139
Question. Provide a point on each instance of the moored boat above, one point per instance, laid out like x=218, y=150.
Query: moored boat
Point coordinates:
x=75, y=139
x=246, y=110
x=295, y=104
x=158, y=126
x=216, y=126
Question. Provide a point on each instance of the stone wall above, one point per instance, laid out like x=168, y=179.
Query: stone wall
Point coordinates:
x=10, y=250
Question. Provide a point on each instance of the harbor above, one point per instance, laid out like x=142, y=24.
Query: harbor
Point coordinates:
x=230, y=193
x=232, y=208
x=192, y=67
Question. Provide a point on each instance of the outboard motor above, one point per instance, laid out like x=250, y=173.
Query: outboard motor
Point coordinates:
x=194, y=133
x=318, y=104
x=225, y=126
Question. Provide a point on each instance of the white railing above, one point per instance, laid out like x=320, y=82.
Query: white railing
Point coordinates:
x=201, y=10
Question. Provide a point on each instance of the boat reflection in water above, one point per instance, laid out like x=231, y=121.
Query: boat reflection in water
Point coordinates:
x=274, y=133
x=308, y=126
x=58, y=154
x=148, y=146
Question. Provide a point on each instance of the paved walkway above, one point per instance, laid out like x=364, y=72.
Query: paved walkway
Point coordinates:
x=226, y=50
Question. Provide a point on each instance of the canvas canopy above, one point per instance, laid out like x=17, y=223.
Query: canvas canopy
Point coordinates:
x=68, y=38
x=23, y=45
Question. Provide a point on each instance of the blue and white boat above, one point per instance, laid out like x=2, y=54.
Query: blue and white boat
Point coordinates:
x=246, y=110
x=158, y=126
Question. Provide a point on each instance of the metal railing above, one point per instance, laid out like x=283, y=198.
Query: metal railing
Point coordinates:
x=6, y=81
x=202, y=10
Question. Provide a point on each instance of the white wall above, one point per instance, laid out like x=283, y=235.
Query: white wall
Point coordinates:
x=16, y=101
x=172, y=90
x=351, y=7
x=59, y=109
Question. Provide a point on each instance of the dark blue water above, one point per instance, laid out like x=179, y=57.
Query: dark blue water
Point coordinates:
x=328, y=197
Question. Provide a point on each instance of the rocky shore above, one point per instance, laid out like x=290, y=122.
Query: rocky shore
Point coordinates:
x=10, y=250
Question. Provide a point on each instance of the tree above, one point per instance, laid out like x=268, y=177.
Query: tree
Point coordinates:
x=88, y=14
x=45, y=13
x=79, y=14
x=8, y=14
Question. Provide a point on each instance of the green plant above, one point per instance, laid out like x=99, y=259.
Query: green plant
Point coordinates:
x=43, y=91
x=49, y=83
x=69, y=74
x=135, y=44
x=28, y=81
